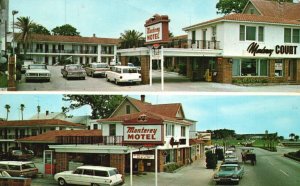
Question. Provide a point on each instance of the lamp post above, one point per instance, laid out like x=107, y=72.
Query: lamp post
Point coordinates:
x=14, y=12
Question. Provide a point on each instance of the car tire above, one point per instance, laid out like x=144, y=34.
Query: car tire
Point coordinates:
x=95, y=184
x=107, y=79
x=61, y=182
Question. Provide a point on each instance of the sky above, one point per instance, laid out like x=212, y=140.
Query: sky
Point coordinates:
x=109, y=18
x=242, y=113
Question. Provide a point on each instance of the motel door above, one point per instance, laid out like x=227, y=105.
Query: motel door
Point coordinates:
x=49, y=166
x=292, y=70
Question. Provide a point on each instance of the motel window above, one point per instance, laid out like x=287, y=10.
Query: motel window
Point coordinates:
x=250, y=67
x=182, y=131
x=279, y=68
x=261, y=33
x=296, y=35
x=112, y=129
x=34, y=132
x=287, y=35
x=242, y=32
x=170, y=130
x=95, y=127
x=127, y=109
x=250, y=33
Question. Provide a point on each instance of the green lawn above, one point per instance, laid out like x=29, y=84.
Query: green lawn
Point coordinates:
x=3, y=81
x=256, y=142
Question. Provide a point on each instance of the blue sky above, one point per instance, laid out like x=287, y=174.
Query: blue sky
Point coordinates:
x=109, y=18
x=243, y=113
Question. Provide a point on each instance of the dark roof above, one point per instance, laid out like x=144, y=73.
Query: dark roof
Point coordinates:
x=44, y=122
x=50, y=136
x=71, y=39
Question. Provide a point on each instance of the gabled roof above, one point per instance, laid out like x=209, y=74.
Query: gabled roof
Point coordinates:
x=250, y=18
x=50, y=115
x=50, y=136
x=39, y=123
x=285, y=10
x=129, y=118
x=70, y=39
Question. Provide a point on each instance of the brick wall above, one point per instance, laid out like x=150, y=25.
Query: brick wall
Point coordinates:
x=145, y=67
x=124, y=60
x=62, y=162
x=224, y=71
x=118, y=161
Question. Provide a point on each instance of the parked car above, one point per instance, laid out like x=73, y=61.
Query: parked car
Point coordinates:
x=90, y=175
x=37, y=72
x=97, y=69
x=73, y=71
x=123, y=74
x=19, y=168
x=25, y=65
x=231, y=159
x=229, y=173
x=17, y=154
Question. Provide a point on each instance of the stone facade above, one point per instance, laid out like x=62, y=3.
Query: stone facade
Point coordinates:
x=62, y=162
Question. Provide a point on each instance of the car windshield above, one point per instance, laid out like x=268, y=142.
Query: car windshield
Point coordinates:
x=37, y=67
x=28, y=166
x=74, y=67
x=113, y=172
x=228, y=168
x=101, y=65
x=129, y=70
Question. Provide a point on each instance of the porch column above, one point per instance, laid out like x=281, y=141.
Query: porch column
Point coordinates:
x=145, y=66
x=123, y=60
x=224, y=70
x=62, y=162
x=189, y=68
x=99, y=53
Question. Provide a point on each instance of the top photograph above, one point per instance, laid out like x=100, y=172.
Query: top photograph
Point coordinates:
x=150, y=46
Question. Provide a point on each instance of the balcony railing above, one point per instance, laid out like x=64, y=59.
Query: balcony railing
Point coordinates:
x=105, y=140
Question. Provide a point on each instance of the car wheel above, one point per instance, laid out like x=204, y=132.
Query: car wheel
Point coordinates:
x=107, y=79
x=95, y=184
x=61, y=182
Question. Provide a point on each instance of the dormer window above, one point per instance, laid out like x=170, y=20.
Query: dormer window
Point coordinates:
x=127, y=109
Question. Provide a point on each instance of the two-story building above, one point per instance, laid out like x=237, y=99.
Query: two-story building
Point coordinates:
x=261, y=45
x=51, y=49
x=10, y=131
x=137, y=127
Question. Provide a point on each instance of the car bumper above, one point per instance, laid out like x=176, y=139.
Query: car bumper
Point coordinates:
x=226, y=179
x=37, y=78
x=129, y=80
x=76, y=75
x=102, y=73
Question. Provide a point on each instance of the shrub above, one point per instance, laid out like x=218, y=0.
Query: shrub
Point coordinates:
x=182, y=69
x=171, y=167
x=211, y=160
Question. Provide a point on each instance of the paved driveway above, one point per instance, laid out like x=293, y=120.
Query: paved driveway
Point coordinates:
x=173, y=83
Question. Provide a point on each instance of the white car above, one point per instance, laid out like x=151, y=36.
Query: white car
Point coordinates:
x=37, y=72
x=90, y=175
x=123, y=74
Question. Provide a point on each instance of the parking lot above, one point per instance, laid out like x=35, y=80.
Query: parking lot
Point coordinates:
x=173, y=82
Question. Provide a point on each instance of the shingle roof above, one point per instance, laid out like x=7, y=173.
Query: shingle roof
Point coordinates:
x=71, y=39
x=45, y=122
x=248, y=18
x=50, y=136
x=275, y=9
x=150, y=115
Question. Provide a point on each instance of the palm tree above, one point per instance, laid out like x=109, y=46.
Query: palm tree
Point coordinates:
x=25, y=25
x=22, y=106
x=7, y=107
x=296, y=137
x=38, y=111
x=131, y=38
x=292, y=135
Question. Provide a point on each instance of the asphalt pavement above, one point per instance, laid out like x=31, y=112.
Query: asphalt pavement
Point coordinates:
x=173, y=82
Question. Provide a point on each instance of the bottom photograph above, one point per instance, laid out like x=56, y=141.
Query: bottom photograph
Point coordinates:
x=75, y=139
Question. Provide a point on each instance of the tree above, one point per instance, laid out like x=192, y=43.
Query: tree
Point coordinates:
x=230, y=6
x=22, y=106
x=235, y=6
x=65, y=30
x=7, y=107
x=40, y=29
x=296, y=137
x=223, y=133
x=25, y=25
x=292, y=135
x=102, y=105
x=131, y=38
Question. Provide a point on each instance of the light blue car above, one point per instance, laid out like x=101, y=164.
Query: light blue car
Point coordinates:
x=229, y=173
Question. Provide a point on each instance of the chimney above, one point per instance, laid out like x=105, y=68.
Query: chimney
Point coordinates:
x=94, y=35
x=143, y=98
x=47, y=112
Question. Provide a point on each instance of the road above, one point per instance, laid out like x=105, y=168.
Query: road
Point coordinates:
x=272, y=169
x=173, y=82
